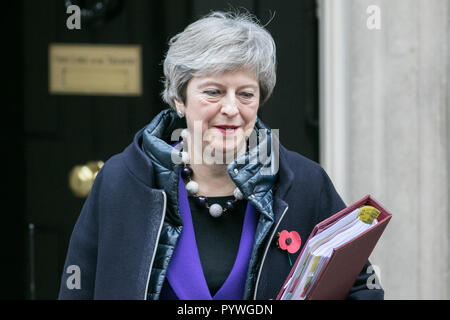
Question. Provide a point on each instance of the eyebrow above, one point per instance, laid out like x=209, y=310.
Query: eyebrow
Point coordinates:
x=210, y=82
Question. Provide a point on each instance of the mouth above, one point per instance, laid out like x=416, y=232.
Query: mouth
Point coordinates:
x=226, y=129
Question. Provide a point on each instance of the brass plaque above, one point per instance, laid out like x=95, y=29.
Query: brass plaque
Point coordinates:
x=95, y=69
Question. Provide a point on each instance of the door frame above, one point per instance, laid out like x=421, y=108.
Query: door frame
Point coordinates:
x=333, y=91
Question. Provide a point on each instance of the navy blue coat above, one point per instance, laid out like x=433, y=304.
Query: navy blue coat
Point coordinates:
x=114, y=242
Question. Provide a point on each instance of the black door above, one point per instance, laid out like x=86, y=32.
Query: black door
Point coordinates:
x=58, y=132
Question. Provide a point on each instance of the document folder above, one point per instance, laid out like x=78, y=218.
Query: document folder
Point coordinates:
x=338, y=272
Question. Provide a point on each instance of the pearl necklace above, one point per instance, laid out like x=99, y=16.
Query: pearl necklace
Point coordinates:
x=215, y=210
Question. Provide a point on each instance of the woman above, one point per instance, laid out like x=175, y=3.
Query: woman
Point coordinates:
x=191, y=214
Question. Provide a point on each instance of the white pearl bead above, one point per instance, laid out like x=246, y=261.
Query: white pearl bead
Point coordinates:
x=184, y=134
x=238, y=194
x=192, y=187
x=185, y=157
x=215, y=210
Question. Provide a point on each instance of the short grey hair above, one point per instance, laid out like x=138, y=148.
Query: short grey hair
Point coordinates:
x=218, y=42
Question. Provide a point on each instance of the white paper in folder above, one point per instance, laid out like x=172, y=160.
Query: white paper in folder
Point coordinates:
x=320, y=247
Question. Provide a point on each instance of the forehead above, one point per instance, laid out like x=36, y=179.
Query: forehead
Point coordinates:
x=238, y=78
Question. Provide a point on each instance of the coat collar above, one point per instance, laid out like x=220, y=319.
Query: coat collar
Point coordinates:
x=286, y=179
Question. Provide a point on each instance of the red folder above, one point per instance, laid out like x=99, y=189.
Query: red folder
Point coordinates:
x=346, y=262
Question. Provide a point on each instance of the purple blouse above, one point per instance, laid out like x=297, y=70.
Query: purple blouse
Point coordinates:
x=185, y=273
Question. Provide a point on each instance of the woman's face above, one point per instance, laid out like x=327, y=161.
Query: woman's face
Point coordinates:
x=222, y=110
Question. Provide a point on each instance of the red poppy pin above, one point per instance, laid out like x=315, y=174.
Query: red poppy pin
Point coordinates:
x=289, y=241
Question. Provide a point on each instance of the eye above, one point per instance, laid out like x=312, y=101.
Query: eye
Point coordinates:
x=247, y=95
x=214, y=92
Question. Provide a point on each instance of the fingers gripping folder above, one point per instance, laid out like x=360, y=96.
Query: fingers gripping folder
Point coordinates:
x=335, y=253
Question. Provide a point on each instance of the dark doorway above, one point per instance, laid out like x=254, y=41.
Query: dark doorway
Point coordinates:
x=58, y=132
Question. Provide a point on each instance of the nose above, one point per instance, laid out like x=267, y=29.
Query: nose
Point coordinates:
x=229, y=105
